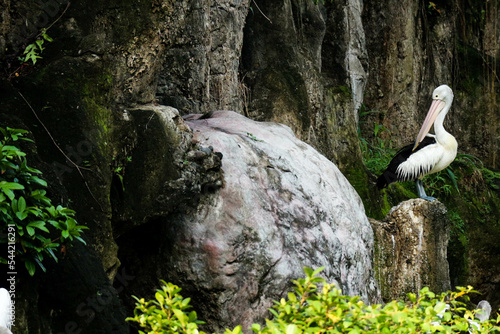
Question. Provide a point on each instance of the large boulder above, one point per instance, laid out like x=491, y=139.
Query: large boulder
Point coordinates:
x=283, y=206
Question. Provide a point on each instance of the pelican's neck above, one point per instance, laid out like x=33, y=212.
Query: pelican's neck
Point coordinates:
x=439, y=130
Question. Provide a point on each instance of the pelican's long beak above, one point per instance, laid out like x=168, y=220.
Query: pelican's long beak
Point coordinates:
x=434, y=110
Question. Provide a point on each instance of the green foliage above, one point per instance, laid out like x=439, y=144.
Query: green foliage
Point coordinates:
x=33, y=50
x=318, y=307
x=490, y=177
x=120, y=171
x=446, y=183
x=166, y=313
x=442, y=184
x=378, y=153
x=35, y=228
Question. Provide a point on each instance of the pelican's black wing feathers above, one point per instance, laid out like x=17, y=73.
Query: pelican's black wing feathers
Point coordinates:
x=390, y=175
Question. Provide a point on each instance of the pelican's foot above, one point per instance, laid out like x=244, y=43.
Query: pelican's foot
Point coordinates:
x=421, y=191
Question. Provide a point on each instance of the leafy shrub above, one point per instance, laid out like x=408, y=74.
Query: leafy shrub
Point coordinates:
x=167, y=313
x=314, y=309
x=378, y=152
x=34, y=227
x=442, y=184
x=318, y=307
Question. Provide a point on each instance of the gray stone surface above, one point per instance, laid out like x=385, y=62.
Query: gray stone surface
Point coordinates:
x=283, y=206
x=411, y=248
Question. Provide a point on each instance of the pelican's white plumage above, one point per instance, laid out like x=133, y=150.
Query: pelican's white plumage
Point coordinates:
x=430, y=153
x=420, y=163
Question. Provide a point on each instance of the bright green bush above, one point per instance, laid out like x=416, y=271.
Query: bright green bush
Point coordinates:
x=166, y=313
x=318, y=307
x=34, y=227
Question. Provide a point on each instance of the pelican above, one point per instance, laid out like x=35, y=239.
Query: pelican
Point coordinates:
x=430, y=153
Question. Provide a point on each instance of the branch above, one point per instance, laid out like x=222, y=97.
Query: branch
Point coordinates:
x=262, y=11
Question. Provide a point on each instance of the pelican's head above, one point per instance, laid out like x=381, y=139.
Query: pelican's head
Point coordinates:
x=442, y=98
x=443, y=93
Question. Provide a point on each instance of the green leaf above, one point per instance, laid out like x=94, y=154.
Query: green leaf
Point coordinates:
x=12, y=150
x=64, y=210
x=426, y=327
x=292, y=329
x=45, y=36
x=39, y=43
x=317, y=271
x=33, y=56
x=9, y=193
x=256, y=328
x=13, y=205
x=159, y=297
x=81, y=240
x=30, y=169
x=16, y=131
x=10, y=185
x=354, y=331
x=52, y=211
x=192, y=316
x=21, y=215
x=21, y=204
x=453, y=178
x=180, y=315
x=39, y=262
x=308, y=271
x=39, y=224
x=236, y=330
x=185, y=302
x=30, y=230
x=29, y=48
x=39, y=181
x=30, y=266
x=440, y=306
x=38, y=193
x=51, y=252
